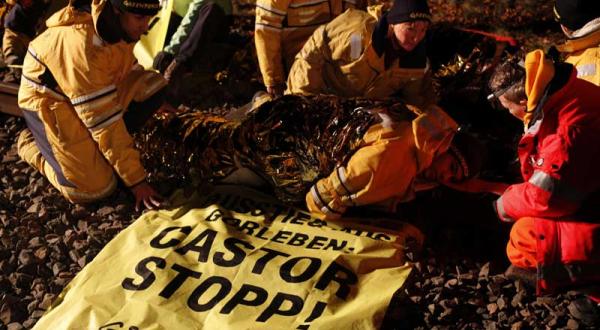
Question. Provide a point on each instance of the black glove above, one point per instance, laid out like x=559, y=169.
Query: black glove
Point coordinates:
x=162, y=61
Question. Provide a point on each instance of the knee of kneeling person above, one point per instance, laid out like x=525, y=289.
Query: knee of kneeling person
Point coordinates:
x=101, y=190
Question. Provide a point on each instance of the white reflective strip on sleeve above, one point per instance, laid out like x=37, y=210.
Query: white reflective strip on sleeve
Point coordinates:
x=500, y=209
x=355, y=46
x=43, y=89
x=586, y=70
x=85, y=98
x=346, y=192
x=260, y=26
x=99, y=118
x=270, y=9
x=304, y=4
x=325, y=209
x=98, y=103
x=543, y=181
x=106, y=123
x=555, y=187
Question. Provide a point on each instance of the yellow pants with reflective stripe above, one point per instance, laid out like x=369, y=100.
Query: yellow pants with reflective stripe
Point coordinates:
x=29, y=152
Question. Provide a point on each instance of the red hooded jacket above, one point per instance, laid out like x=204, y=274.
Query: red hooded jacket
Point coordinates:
x=559, y=155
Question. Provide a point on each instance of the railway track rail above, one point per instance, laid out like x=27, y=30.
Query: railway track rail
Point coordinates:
x=8, y=99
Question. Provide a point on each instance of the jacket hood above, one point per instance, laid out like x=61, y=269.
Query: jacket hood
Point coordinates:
x=68, y=16
x=586, y=37
x=539, y=71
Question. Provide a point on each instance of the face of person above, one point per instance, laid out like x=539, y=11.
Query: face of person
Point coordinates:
x=445, y=168
x=515, y=109
x=409, y=34
x=135, y=25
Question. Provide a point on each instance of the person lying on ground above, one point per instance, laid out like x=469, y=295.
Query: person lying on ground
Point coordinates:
x=555, y=237
x=330, y=153
x=580, y=22
x=203, y=22
x=373, y=55
x=81, y=93
x=282, y=28
x=22, y=23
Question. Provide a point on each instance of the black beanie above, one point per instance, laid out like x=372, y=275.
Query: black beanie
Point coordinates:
x=574, y=14
x=470, y=152
x=408, y=11
x=141, y=7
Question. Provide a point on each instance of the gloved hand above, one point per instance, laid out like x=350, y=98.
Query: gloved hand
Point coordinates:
x=162, y=61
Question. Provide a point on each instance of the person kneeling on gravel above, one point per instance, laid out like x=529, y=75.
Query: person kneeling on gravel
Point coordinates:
x=555, y=239
x=81, y=92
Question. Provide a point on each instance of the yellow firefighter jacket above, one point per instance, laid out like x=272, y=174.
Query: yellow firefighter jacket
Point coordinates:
x=339, y=58
x=584, y=54
x=383, y=170
x=74, y=90
x=282, y=27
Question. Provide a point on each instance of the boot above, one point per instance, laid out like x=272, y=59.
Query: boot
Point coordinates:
x=586, y=311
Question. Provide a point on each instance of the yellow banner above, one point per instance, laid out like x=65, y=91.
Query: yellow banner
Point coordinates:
x=154, y=41
x=235, y=259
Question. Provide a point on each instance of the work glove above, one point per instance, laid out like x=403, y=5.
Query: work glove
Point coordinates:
x=162, y=61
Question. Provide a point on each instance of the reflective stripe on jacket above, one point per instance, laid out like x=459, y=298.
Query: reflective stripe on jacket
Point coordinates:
x=339, y=58
x=384, y=168
x=283, y=26
x=559, y=154
x=78, y=86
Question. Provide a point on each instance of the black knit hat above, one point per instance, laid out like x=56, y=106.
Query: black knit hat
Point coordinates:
x=141, y=7
x=574, y=14
x=408, y=11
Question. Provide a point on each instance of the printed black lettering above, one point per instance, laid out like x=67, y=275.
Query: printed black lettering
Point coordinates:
x=273, y=213
x=290, y=215
x=261, y=233
x=317, y=311
x=276, y=306
x=249, y=227
x=233, y=222
x=333, y=244
x=245, y=205
x=194, y=299
x=206, y=238
x=317, y=242
x=288, y=267
x=346, y=279
x=182, y=275
x=318, y=223
x=234, y=246
x=281, y=236
x=298, y=239
x=145, y=273
x=382, y=237
x=300, y=219
x=157, y=243
x=262, y=261
x=241, y=298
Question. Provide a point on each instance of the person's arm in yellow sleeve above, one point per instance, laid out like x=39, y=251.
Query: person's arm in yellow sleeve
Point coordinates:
x=306, y=74
x=268, y=30
x=385, y=167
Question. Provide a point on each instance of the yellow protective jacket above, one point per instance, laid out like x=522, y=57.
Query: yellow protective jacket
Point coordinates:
x=383, y=170
x=74, y=90
x=339, y=58
x=283, y=26
x=584, y=54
